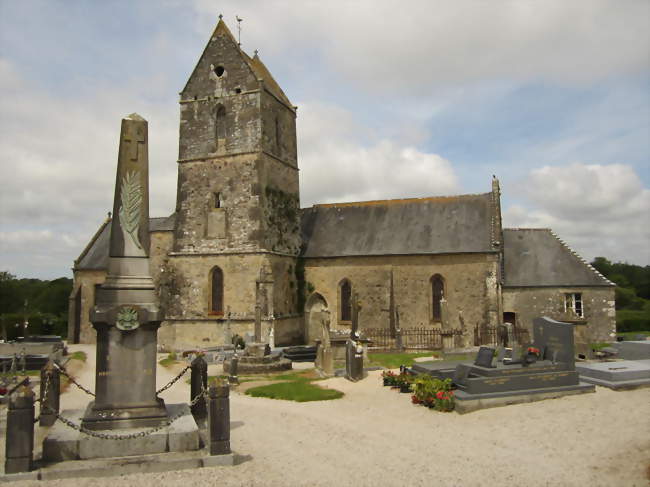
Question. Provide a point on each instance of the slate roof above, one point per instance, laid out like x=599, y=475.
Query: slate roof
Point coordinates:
x=536, y=257
x=438, y=225
x=95, y=255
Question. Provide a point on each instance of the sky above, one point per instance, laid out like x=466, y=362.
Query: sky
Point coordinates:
x=395, y=99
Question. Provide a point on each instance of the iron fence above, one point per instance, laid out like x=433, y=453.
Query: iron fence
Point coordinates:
x=489, y=335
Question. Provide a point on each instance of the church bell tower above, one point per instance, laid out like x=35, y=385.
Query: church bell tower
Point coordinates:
x=236, y=234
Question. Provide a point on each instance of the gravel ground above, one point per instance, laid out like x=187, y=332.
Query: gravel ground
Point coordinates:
x=373, y=436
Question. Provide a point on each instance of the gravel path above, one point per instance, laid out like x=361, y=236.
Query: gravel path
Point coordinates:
x=373, y=436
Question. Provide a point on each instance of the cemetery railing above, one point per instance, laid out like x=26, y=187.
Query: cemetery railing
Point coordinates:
x=382, y=339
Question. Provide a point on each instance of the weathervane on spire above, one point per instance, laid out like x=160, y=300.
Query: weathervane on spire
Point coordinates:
x=238, y=30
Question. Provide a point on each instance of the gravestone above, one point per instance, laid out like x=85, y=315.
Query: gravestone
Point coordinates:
x=484, y=357
x=554, y=339
x=126, y=315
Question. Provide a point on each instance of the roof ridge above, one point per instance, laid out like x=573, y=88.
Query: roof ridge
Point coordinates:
x=547, y=229
x=580, y=258
x=397, y=200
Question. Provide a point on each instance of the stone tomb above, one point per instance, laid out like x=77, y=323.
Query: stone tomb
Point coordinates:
x=553, y=375
x=631, y=372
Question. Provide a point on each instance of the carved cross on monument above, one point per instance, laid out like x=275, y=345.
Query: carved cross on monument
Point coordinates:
x=134, y=135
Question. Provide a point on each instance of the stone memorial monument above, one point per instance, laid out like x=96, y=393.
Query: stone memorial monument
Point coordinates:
x=126, y=315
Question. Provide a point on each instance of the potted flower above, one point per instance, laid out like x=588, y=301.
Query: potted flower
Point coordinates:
x=405, y=385
x=444, y=401
x=388, y=377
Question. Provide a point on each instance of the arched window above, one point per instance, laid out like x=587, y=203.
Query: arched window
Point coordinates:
x=345, y=300
x=220, y=127
x=437, y=293
x=216, y=291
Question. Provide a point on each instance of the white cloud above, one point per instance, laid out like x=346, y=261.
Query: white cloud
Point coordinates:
x=336, y=166
x=601, y=210
x=58, y=167
x=392, y=46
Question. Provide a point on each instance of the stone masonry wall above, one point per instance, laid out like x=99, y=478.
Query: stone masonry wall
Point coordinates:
x=466, y=277
x=599, y=324
x=86, y=280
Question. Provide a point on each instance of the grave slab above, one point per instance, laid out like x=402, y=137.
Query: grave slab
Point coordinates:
x=633, y=350
x=619, y=374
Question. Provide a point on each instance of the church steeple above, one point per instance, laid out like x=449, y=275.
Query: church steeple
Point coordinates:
x=237, y=146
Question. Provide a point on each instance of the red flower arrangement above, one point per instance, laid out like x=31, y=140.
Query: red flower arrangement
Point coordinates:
x=534, y=351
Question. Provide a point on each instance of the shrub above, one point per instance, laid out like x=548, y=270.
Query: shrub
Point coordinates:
x=434, y=393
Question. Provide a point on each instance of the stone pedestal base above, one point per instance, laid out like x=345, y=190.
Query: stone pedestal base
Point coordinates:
x=64, y=443
x=125, y=418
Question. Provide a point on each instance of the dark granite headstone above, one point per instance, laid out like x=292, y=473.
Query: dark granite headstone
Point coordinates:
x=484, y=357
x=554, y=339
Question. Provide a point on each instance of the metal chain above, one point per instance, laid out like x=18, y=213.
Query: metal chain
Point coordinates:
x=174, y=380
x=71, y=379
x=139, y=434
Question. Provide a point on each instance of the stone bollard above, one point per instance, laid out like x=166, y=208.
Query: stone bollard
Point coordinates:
x=198, y=383
x=49, y=397
x=234, y=364
x=219, y=420
x=19, y=444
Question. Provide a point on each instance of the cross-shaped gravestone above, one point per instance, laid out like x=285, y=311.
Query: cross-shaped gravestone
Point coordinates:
x=134, y=136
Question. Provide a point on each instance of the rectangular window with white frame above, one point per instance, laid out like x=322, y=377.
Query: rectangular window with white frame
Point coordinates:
x=573, y=304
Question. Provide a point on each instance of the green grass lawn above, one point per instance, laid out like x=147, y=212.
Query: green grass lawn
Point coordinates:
x=394, y=360
x=293, y=386
x=80, y=355
x=632, y=334
x=168, y=360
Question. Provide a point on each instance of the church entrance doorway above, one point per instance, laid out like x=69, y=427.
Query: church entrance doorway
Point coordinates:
x=316, y=310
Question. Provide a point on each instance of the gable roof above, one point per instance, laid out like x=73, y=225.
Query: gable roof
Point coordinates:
x=536, y=257
x=95, y=255
x=254, y=64
x=437, y=225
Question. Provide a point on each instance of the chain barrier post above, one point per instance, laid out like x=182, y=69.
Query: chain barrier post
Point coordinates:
x=198, y=383
x=49, y=394
x=219, y=419
x=19, y=440
x=234, y=365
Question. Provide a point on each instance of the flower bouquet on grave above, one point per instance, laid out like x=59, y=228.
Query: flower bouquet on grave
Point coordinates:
x=388, y=377
x=531, y=356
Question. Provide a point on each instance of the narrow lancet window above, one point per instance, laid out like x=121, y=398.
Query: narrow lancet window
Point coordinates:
x=437, y=293
x=216, y=302
x=345, y=291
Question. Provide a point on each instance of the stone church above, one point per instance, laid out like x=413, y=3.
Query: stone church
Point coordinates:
x=239, y=244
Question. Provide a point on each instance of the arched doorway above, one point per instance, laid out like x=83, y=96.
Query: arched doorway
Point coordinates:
x=315, y=309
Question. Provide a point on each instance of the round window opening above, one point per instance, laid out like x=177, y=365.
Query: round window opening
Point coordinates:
x=219, y=70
